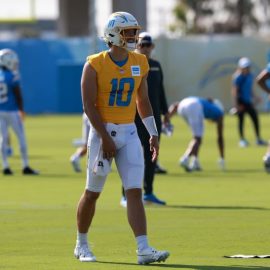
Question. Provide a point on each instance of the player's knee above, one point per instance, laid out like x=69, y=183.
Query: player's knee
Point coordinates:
x=134, y=193
x=91, y=196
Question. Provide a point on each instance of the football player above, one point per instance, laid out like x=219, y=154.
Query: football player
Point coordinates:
x=194, y=110
x=244, y=98
x=11, y=110
x=113, y=84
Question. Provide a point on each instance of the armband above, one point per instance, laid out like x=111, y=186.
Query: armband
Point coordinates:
x=150, y=125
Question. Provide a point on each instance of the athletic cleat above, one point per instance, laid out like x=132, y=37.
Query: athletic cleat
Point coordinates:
x=75, y=162
x=243, y=143
x=151, y=198
x=195, y=166
x=84, y=254
x=159, y=169
x=29, y=171
x=7, y=171
x=266, y=162
x=123, y=202
x=261, y=142
x=184, y=163
x=151, y=255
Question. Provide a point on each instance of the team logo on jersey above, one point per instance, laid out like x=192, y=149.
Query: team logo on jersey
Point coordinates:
x=135, y=70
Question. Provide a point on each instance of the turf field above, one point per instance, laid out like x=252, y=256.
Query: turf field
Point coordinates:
x=209, y=214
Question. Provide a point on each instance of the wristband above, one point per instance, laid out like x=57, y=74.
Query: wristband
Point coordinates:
x=150, y=125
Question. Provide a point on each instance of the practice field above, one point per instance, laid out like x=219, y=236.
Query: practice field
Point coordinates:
x=209, y=214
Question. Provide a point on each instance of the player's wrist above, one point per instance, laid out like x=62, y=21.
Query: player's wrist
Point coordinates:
x=150, y=125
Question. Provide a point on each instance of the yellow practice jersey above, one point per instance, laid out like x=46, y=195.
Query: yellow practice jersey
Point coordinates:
x=118, y=86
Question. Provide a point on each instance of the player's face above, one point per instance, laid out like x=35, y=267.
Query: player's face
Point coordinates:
x=245, y=70
x=130, y=35
x=146, y=49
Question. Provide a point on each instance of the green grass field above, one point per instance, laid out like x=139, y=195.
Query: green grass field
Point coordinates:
x=209, y=214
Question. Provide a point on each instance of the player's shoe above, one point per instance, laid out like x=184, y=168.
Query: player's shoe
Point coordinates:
x=7, y=171
x=195, y=166
x=266, y=162
x=159, y=169
x=261, y=142
x=184, y=163
x=151, y=255
x=29, y=171
x=151, y=198
x=84, y=254
x=75, y=162
x=123, y=202
x=243, y=143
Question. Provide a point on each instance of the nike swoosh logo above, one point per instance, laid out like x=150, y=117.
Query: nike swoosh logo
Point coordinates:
x=132, y=132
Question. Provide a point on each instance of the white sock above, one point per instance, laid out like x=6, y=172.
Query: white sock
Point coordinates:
x=75, y=156
x=142, y=242
x=81, y=238
x=184, y=158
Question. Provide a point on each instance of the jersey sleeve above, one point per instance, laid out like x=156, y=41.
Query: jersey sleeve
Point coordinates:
x=15, y=79
x=94, y=61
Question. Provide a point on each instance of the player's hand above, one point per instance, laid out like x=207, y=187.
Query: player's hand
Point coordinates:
x=108, y=147
x=166, y=119
x=22, y=115
x=240, y=108
x=154, y=147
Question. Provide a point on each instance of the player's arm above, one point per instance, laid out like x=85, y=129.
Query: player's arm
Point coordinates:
x=89, y=95
x=234, y=92
x=145, y=111
x=173, y=109
x=19, y=100
x=18, y=97
x=261, y=80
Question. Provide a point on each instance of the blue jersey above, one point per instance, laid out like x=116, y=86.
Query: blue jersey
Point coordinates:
x=8, y=80
x=244, y=83
x=210, y=110
x=268, y=68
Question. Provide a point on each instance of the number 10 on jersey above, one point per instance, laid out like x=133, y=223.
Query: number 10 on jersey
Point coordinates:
x=118, y=92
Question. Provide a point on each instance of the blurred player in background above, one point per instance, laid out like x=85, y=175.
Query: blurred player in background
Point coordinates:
x=82, y=150
x=11, y=110
x=194, y=110
x=263, y=80
x=113, y=83
x=159, y=105
x=244, y=99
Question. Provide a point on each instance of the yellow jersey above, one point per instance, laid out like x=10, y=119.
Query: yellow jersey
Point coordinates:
x=117, y=86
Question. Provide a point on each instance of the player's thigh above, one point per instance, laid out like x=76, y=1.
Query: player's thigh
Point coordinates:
x=130, y=164
x=195, y=119
x=94, y=182
x=3, y=128
x=17, y=125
